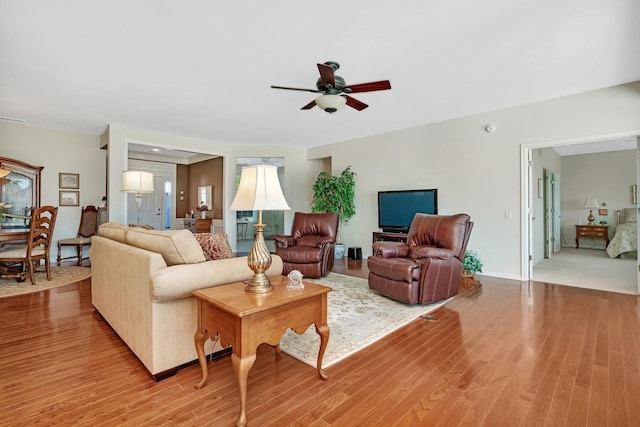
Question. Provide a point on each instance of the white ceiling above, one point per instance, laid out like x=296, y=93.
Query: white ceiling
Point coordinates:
x=204, y=69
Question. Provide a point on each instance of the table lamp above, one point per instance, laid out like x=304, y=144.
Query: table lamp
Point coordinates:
x=3, y=171
x=591, y=203
x=259, y=189
x=137, y=182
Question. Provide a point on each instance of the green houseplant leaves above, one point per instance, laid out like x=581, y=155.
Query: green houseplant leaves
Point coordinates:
x=335, y=194
x=471, y=263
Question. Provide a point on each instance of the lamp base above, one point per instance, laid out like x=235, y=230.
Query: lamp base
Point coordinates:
x=259, y=284
x=591, y=218
x=259, y=261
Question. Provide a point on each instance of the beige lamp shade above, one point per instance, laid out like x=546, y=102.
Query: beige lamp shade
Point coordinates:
x=259, y=189
x=137, y=182
x=591, y=203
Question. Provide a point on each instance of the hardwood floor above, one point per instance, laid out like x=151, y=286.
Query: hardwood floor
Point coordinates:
x=502, y=353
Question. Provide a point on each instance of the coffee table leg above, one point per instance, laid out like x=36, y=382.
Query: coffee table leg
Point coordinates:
x=199, y=338
x=323, y=331
x=242, y=366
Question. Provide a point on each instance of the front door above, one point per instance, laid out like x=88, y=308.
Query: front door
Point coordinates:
x=152, y=207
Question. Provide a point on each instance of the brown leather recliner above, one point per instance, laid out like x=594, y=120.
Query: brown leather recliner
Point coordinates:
x=427, y=268
x=310, y=247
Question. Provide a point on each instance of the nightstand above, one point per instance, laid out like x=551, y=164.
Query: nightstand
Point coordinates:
x=592, y=232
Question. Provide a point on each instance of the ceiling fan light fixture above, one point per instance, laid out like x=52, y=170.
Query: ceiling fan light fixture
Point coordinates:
x=331, y=103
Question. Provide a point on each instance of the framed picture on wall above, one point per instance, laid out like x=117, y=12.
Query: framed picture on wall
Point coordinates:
x=69, y=180
x=69, y=198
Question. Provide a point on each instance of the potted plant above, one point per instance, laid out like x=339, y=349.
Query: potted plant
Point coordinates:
x=471, y=264
x=335, y=194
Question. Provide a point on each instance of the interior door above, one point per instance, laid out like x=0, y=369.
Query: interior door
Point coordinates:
x=638, y=224
x=556, y=211
x=546, y=202
x=152, y=210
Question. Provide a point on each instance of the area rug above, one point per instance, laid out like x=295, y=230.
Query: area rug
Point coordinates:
x=59, y=276
x=357, y=317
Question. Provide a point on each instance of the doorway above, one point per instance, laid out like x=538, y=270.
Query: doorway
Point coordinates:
x=246, y=220
x=554, y=236
x=155, y=208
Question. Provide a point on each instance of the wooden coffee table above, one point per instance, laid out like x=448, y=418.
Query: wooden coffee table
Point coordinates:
x=245, y=320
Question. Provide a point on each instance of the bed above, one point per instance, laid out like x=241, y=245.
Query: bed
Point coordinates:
x=625, y=238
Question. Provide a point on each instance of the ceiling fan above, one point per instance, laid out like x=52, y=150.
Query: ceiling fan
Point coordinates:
x=335, y=90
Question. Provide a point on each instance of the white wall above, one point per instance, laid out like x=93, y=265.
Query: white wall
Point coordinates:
x=299, y=173
x=605, y=176
x=59, y=152
x=475, y=171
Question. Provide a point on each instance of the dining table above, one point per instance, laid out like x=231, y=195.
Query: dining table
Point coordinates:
x=12, y=235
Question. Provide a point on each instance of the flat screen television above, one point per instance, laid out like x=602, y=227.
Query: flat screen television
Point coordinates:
x=396, y=209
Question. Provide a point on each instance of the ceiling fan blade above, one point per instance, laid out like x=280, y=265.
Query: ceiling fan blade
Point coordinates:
x=309, y=105
x=354, y=103
x=296, y=88
x=326, y=75
x=369, y=87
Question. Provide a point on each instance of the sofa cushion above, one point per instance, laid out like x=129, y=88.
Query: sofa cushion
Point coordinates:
x=113, y=231
x=214, y=245
x=175, y=246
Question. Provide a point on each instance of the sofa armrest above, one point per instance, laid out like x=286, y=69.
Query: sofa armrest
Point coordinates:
x=178, y=281
x=390, y=249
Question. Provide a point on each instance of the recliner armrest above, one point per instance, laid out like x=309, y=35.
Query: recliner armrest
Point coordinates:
x=432, y=252
x=282, y=241
x=325, y=240
x=390, y=249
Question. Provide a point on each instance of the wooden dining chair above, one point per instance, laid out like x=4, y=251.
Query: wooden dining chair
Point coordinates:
x=38, y=246
x=88, y=227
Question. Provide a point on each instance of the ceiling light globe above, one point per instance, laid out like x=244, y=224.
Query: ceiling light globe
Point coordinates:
x=331, y=103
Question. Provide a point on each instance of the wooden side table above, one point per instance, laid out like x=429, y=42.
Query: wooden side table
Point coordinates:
x=592, y=232
x=245, y=320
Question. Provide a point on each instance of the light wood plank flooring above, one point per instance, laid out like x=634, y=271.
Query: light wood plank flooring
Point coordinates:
x=501, y=353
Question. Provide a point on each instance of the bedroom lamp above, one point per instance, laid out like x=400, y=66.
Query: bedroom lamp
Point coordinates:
x=259, y=189
x=137, y=182
x=591, y=203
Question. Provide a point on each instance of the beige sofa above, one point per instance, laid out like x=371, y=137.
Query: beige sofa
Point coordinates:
x=141, y=284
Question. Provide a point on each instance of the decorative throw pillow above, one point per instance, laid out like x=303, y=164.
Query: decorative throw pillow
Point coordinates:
x=214, y=245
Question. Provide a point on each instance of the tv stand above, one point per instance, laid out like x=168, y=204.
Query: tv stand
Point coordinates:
x=385, y=236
